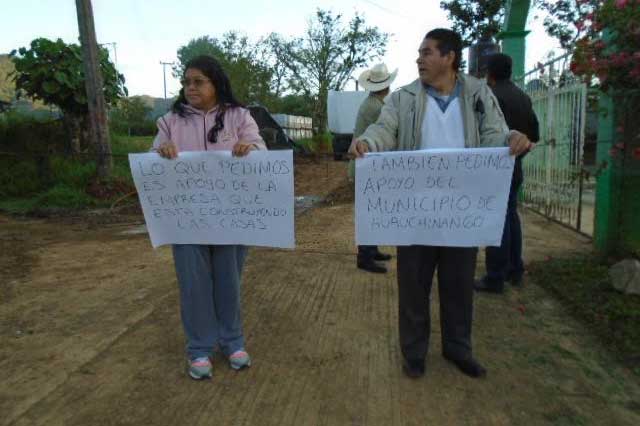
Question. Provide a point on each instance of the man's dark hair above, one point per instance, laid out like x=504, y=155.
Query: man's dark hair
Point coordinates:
x=448, y=41
x=499, y=66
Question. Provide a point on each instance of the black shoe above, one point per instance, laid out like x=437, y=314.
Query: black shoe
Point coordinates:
x=413, y=368
x=382, y=256
x=483, y=285
x=468, y=366
x=372, y=266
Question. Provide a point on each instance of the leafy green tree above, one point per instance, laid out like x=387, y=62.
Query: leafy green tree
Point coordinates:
x=295, y=105
x=568, y=20
x=250, y=76
x=326, y=57
x=268, y=56
x=475, y=19
x=52, y=71
x=130, y=113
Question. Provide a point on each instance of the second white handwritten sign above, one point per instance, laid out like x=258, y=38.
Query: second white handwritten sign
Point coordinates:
x=454, y=198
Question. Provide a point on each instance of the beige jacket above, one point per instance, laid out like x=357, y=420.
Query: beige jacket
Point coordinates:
x=399, y=126
x=368, y=113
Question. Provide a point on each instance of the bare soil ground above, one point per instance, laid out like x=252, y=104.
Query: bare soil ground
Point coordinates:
x=90, y=335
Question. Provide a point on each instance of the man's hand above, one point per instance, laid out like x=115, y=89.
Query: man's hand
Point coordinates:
x=519, y=143
x=358, y=148
x=168, y=150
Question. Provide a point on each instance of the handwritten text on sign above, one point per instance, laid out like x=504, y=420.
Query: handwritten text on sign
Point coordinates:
x=453, y=198
x=214, y=198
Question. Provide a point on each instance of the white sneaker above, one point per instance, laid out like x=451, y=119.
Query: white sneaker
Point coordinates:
x=239, y=360
x=200, y=368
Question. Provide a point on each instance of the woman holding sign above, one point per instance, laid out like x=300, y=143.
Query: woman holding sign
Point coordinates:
x=206, y=116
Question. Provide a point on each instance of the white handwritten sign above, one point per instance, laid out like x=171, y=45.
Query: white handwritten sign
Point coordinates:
x=214, y=198
x=454, y=198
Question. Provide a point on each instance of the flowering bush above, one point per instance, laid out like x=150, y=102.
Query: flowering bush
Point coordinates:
x=610, y=50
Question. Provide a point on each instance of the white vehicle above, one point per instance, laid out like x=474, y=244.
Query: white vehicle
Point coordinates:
x=342, y=111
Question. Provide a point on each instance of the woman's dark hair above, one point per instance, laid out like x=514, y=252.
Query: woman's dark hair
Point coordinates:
x=211, y=68
x=448, y=41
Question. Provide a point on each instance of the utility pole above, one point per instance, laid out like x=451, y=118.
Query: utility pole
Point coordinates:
x=164, y=76
x=115, y=53
x=94, y=85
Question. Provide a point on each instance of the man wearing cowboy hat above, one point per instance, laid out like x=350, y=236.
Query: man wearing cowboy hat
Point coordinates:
x=377, y=81
x=443, y=108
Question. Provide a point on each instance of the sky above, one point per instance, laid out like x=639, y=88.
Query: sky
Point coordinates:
x=142, y=33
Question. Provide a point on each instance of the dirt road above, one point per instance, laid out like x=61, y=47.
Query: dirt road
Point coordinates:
x=90, y=335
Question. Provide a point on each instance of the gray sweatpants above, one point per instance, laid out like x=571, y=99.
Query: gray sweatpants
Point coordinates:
x=209, y=279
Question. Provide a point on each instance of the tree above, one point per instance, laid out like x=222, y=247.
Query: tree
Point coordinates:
x=295, y=105
x=52, y=71
x=566, y=19
x=475, y=19
x=130, y=113
x=268, y=56
x=610, y=61
x=250, y=76
x=326, y=56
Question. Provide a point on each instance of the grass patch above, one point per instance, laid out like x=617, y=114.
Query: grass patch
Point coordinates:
x=18, y=177
x=583, y=284
x=319, y=144
x=18, y=206
x=29, y=185
x=123, y=145
x=59, y=197
x=63, y=196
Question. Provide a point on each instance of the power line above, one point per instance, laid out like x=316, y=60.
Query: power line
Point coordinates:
x=390, y=11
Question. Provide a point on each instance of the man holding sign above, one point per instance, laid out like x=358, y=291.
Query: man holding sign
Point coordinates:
x=442, y=109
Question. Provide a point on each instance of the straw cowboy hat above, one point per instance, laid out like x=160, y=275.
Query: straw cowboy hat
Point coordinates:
x=377, y=78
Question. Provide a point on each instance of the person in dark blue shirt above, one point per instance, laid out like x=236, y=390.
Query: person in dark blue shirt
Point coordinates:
x=505, y=263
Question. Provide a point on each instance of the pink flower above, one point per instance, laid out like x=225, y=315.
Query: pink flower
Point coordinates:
x=621, y=4
x=574, y=67
x=636, y=153
x=613, y=153
x=619, y=59
x=620, y=146
x=620, y=129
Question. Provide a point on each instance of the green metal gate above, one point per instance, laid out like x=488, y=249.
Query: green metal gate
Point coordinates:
x=554, y=184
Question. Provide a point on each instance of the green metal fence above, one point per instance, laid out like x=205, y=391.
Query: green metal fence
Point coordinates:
x=554, y=172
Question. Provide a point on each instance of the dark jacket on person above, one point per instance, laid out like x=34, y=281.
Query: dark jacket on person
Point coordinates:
x=519, y=115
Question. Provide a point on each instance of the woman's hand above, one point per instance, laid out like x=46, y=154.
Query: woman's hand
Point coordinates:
x=168, y=150
x=242, y=149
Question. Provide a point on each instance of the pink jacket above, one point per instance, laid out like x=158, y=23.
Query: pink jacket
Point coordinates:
x=189, y=133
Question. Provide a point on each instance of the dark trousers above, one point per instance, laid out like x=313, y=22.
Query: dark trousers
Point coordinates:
x=456, y=268
x=366, y=253
x=505, y=262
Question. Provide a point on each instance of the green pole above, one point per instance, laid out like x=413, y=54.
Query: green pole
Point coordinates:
x=608, y=199
x=513, y=34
